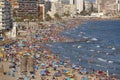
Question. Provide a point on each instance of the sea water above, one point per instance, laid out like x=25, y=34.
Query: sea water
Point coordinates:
x=99, y=51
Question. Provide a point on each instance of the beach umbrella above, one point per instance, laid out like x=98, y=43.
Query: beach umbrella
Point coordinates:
x=1, y=38
x=65, y=71
x=21, y=53
x=84, y=78
x=57, y=74
x=100, y=72
x=1, y=55
x=67, y=78
x=2, y=49
x=6, y=46
x=20, y=45
x=37, y=55
x=72, y=79
x=39, y=49
x=43, y=73
x=22, y=40
x=61, y=62
x=85, y=71
x=69, y=74
x=26, y=78
x=28, y=50
x=26, y=54
x=73, y=65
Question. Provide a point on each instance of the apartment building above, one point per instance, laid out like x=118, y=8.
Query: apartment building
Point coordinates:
x=56, y=7
x=14, y=4
x=69, y=9
x=5, y=15
x=28, y=8
x=42, y=11
x=108, y=6
x=79, y=5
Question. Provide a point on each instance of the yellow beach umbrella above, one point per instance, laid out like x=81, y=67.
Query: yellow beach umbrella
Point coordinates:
x=21, y=53
x=2, y=49
x=1, y=55
x=70, y=74
x=72, y=79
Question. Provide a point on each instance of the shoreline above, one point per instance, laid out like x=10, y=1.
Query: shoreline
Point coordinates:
x=35, y=46
x=65, y=39
x=81, y=21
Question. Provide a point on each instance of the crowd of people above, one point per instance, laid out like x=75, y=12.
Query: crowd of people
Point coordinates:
x=29, y=59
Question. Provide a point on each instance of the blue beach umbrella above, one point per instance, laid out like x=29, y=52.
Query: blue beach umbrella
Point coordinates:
x=73, y=65
x=85, y=71
x=64, y=71
x=26, y=78
x=6, y=46
x=84, y=78
x=61, y=62
x=39, y=49
x=67, y=79
x=43, y=72
x=57, y=74
x=20, y=45
x=1, y=38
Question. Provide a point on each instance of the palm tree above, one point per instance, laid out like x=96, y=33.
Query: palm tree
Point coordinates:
x=48, y=17
x=57, y=16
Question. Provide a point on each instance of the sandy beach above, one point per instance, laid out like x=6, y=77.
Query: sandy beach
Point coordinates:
x=28, y=59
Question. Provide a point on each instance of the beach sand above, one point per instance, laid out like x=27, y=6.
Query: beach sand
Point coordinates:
x=45, y=64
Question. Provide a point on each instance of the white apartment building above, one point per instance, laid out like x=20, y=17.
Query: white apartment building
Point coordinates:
x=56, y=7
x=69, y=9
x=5, y=15
x=118, y=4
x=108, y=6
x=79, y=5
x=52, y=0
x=71, y=1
